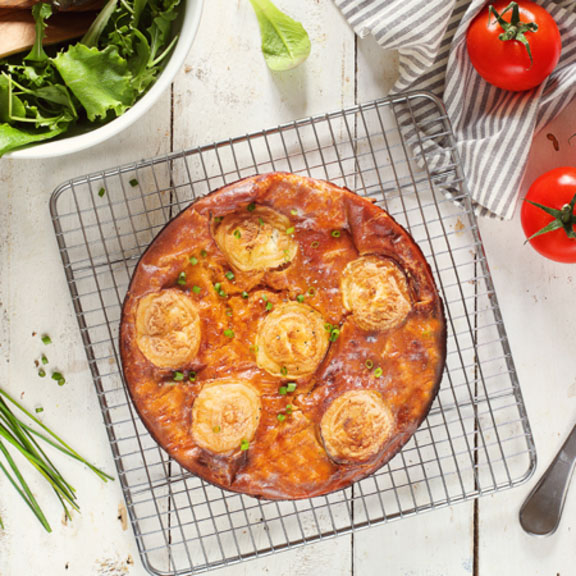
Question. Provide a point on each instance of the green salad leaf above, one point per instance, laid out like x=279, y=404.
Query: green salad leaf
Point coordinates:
x=41, y=12
x=139, y=6
x=12, y=138
x=99, y=79
x=46, y=92
x=285, y=42
x=100, y=22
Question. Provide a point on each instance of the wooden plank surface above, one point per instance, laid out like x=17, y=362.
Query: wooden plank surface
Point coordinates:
x=35, y=300
x=536, y=297
x=226, y=90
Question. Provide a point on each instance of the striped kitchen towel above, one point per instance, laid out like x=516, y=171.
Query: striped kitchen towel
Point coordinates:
x=493, y=128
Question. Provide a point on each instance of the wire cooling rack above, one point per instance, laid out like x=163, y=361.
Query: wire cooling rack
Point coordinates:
x=400, y=152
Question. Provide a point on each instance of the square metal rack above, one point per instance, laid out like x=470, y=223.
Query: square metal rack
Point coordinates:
x=398, y=151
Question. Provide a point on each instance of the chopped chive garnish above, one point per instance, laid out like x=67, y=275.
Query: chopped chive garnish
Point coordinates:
x=244, y=294
x=281, y=417
x=286, y=255
x=229, y=275
x=290, y=230
x=196, y=289
x=44, y=360
x=228, y=311
x=177, y=376
x=203, y=253
x=336, y=233
x=244, y=445
x=251, y=207
x=328, y=327
x=369, y=364
x=294, y=212
x=216, y=429
x=315, y=244
x=41, y=372
x=291, y=386
x=39, y=409
x=192, y=376
x=311, y=291
x=254, y=349
x=334, y=334
x=101, y=192
x=46, y=339
x=133, y=182
x=182, y=279
x=289, y=408
x=237, y=233
x=269, y=306
x=217, y=286
x=283, y=390
x=193, y=260
x=59, y=378
x=300, y=298
x=264, y=297
x=218, y=219
x=229, y=333
x=378, y=372
x=260, y=222
x=284, y=371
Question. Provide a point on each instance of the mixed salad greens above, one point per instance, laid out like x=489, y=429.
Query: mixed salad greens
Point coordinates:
x=49, y=92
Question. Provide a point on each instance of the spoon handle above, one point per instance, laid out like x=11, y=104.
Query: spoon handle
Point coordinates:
x=18, y=31
x=540, y=513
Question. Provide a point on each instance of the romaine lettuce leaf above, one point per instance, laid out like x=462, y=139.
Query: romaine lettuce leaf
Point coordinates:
x=100, y=79
x=285, y=42
x=12, y=138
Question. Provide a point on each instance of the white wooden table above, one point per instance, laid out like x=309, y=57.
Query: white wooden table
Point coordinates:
x=225, y=90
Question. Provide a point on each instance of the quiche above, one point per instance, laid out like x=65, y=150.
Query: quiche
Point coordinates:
x=282, y=337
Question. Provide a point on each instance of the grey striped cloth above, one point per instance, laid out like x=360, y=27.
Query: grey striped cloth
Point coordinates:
x=493, y=128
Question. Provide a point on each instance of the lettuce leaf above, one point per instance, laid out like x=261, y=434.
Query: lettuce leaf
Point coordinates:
x=41, y=12
x=99, y=79
x=285, y=42
x=12, y=138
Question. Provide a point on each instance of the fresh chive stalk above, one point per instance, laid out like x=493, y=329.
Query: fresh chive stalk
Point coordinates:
x=17, y=434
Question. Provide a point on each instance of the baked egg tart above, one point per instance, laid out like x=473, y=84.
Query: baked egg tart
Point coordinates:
x=282, y=337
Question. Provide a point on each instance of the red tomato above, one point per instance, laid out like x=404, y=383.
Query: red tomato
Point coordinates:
x=506, y=63
x=554, y=189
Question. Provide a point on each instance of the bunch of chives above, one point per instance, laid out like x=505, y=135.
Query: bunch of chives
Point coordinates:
x=20, y=436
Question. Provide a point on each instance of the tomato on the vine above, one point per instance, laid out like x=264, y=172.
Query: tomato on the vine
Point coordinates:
x=514, y=45
x=548, y=214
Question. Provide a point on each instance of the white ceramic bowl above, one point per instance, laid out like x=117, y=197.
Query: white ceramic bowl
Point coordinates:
x=189, y=26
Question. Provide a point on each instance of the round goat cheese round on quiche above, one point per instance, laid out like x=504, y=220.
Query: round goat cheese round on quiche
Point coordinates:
x=376, y=291
x=356, y=426
x=256, y=239
x=225, y=414
x=282, y=337
x=168, y=328
x=291, y=341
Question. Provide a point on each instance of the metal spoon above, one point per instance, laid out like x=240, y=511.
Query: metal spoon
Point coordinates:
x=540, y=514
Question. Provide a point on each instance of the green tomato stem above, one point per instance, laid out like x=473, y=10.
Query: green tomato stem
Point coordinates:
x=515, y=29
x=563, y=218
